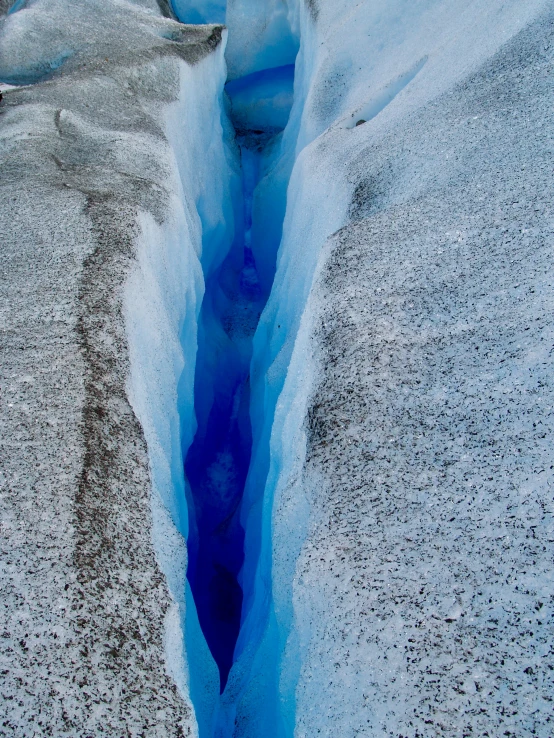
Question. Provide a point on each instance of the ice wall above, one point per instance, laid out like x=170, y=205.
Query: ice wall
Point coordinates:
x=374, y=64
x=262, y=35
x=359, y=70
x=199, y=11
x=371, y=66
x=163, y=302
x=102, y=242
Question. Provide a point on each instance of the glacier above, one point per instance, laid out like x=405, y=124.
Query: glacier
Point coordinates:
x=276, y=368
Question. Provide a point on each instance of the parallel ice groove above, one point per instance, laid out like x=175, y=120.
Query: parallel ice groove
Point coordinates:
x=372, y=109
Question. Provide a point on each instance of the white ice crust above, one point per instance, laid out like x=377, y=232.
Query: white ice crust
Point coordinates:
x=378, y=64
x=316, y=656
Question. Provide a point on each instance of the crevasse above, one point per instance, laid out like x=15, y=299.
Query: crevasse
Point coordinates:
x=227, y=570
x=225, y=489
x=209, y=428
x=218, y=460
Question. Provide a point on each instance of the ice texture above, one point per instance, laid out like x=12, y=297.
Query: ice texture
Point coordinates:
x=162, y=307
x=199, y=11
x=96, y=233
x=367, y=539
x=397, y=511
x=262, y=35
x=262, y=100
x=406, y=526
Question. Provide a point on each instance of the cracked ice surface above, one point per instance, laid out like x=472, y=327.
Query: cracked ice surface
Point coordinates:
x=399, y=560
x=411, y=448
x=88, y=177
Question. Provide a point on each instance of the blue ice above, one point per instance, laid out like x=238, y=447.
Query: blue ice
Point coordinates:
x=199, y=11
x=262, y=100
x=218, y=460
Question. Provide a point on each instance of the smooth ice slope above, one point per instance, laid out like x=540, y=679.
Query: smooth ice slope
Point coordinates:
x=262, y=35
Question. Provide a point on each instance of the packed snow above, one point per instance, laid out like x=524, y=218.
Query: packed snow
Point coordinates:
x=311, y=255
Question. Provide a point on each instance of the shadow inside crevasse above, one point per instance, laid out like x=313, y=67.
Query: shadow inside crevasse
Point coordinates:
x=217, y=462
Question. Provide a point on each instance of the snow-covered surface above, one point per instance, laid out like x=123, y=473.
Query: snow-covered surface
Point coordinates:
x=88, y=190
x=398, y=562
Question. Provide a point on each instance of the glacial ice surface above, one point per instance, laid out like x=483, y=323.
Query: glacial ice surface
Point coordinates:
x=101, y=244
x=397, y=510
x=385, y=66
x=351, y=388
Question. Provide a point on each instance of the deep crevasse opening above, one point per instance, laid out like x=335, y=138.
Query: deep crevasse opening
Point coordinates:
x=201, y=391
x=218, y=460
x=224, y=490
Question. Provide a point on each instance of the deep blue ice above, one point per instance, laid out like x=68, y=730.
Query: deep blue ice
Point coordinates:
x=218, y=460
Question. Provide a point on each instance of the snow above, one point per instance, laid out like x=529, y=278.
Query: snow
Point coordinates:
x=397, y=512
x=383, y=66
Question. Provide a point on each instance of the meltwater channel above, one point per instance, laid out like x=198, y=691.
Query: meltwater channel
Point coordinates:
x=217, y=462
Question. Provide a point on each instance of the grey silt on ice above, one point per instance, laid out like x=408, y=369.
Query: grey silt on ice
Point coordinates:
x=398, y=511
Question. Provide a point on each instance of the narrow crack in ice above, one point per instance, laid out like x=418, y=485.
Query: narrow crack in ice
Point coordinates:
x=218, y=460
